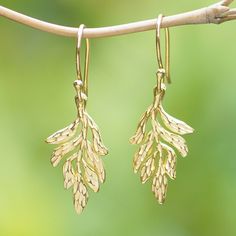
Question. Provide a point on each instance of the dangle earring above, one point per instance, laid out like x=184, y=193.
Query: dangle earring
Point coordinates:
x=156, y=158
x=83, y=167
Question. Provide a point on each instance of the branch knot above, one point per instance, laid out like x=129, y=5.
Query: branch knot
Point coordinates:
x=215, y=13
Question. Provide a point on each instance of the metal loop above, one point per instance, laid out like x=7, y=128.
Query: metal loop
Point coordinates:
x=84, y=79
x=167, y=48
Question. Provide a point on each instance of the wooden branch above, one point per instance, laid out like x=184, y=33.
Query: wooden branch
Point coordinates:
x=216, y=14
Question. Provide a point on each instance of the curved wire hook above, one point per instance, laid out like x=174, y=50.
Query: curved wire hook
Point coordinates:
x=84, y=79
x=167, y=48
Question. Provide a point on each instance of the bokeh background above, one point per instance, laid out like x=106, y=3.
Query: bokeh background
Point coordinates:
x=37, y=70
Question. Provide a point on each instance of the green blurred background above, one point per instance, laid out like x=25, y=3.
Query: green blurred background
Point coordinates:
x=37, y=70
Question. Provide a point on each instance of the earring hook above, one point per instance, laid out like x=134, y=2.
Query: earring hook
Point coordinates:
x=167, y=48
x=84, y=79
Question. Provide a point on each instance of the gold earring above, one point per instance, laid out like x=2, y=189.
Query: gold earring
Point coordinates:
x=156, y=158
x=83, y=167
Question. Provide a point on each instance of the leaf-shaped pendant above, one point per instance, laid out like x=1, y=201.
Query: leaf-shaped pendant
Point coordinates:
x=155, y=158
x=83, y=168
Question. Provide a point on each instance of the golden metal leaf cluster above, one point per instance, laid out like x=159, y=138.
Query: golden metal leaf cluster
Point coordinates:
x=83, y=168
x=156, y=158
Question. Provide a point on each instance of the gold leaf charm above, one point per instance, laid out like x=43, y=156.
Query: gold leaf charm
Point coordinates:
x=80, y=143
x=83, y=167
x=156, y=158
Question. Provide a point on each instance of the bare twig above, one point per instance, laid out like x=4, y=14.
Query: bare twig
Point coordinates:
x=216, y=14
x=226, y=2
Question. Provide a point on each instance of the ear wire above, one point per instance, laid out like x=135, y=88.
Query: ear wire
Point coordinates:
x=167, y=48
x=78, y=59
